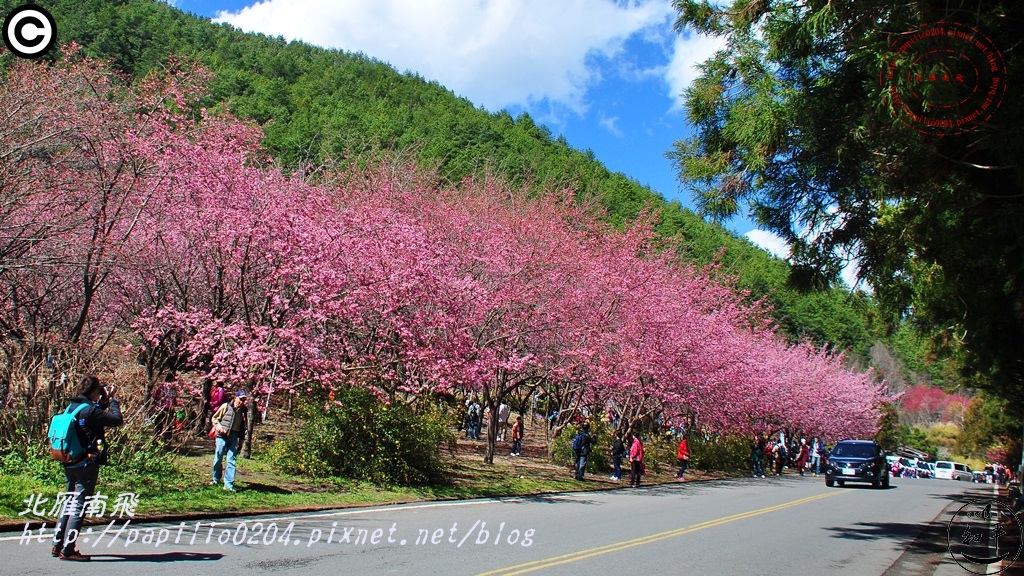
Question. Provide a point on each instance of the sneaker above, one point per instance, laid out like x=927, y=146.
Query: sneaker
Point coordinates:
x=214, y=482
x=74, y=555
x=55, y=552
x=230, y=489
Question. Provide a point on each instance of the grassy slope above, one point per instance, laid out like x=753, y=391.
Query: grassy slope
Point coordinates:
x=185, y=492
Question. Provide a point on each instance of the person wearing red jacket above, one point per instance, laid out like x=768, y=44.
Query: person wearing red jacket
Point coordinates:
x=683, y=455
x=517, y=436
x=803, y=456
x=636, y=460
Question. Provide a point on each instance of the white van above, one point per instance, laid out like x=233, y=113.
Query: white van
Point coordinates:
x=946, y=470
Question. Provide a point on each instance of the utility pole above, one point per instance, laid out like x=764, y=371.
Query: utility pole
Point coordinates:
x=1020, y=469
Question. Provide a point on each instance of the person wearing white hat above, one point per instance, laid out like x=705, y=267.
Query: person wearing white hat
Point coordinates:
x=230, y=423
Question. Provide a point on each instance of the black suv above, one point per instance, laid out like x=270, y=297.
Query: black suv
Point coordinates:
x=857, y=461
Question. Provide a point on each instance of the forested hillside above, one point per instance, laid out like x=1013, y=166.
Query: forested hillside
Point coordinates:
x=317, y=105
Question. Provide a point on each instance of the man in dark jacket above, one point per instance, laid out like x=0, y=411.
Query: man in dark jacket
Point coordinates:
x=230, y=422
x=581, y=447
x=102, y=411
x=618, y=451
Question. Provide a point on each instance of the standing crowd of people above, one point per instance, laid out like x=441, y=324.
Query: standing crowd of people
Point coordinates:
x=170, y=413
x=771, y=455
x=995, y=473
x=627, y=448
x=626, y=445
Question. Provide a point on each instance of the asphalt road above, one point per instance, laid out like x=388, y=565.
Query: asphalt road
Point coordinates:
x=788, y=525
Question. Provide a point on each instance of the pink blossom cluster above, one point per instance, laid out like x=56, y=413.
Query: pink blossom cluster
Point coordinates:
x=925, y=403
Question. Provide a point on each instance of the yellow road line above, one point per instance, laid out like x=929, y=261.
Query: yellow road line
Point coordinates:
x=617, y=546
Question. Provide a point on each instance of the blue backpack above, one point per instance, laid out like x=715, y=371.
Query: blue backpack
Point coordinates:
x=65, y=441
x=577, y=443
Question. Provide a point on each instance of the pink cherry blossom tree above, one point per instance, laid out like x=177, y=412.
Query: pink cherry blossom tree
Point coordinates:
x=131, y=214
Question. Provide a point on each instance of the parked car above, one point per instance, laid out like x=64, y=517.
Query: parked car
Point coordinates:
x=962, y=471
x=948, y=470
x=923, y=471
x=903, y=467
x=857, y=461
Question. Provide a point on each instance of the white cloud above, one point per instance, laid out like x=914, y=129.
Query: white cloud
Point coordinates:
x=610, y=124
x=770, y=242
x=688, y=50
x=776, y=246
x=849, y=273
x=497, y=53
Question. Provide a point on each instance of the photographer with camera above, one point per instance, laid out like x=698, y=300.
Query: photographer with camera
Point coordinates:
x=102, y=411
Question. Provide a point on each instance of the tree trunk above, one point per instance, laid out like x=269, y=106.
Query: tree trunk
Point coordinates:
x=200, y=427
x=492, y=428
x=250, y=425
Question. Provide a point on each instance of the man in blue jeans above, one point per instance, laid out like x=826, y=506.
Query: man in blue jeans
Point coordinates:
x=230, y=422
x=816, y=455
x=581, y=448
x=99, y=410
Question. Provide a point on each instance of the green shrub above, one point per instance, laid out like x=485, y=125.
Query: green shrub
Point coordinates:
x=726, y=453
x=365, y=439
x=138, y=463
x=135, y=462
x=30, y=462
x=660, y=452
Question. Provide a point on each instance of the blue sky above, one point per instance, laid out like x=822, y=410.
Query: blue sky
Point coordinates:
x=606, y=74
